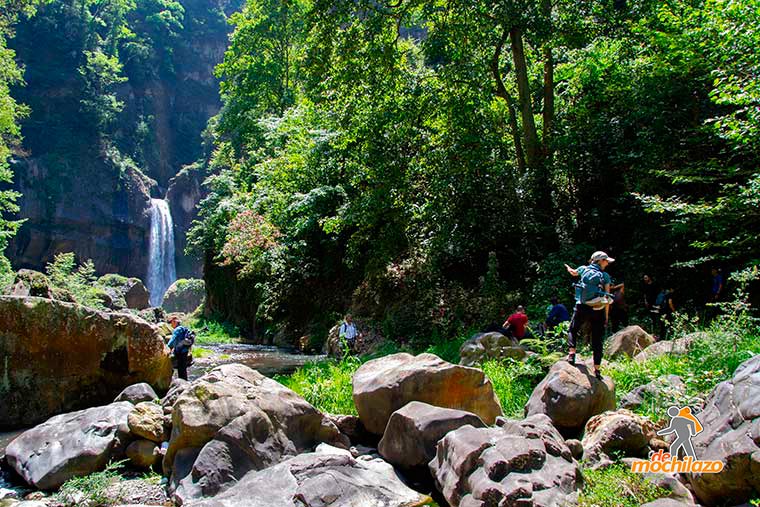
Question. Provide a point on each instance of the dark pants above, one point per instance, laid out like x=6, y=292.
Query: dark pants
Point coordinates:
x=181, y=364
x=595, y=318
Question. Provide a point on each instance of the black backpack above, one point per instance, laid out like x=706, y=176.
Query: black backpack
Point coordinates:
x=188, y=340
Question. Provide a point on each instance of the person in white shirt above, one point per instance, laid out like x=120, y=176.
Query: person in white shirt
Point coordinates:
x=348, y=331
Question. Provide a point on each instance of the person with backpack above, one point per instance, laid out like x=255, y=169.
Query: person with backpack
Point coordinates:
x=662, y=311
x=347, y=332
x=181, y=342
x=592, y=305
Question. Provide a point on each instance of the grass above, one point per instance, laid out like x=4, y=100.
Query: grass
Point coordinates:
x=91, y=489
x=325, y=384
x=617, y=486
x=210, y=331
x=513, y=381
x=726, y=344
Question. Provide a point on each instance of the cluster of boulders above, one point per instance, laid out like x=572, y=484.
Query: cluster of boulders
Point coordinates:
x=234, y=437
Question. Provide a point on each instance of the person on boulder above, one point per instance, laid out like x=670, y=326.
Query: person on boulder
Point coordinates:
x=181, y=342
x=592, y=305
x=516, y=324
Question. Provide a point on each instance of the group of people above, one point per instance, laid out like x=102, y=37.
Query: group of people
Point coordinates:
x=599, y=303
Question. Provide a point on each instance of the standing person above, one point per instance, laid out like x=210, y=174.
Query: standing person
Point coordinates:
x=516, y=323
x=348, y=332
x=651, y=291
x=592, y=300
x=618, y=308
x=667, y=308
x=557, y=314
x=717, y=285
x=181, y=342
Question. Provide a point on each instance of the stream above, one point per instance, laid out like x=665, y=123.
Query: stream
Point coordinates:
x=268, y=360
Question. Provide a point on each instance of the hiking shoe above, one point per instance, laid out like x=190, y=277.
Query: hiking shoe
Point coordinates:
x=571, y=359
x=598, y=374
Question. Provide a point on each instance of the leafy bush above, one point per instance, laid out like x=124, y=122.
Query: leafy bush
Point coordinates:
x=91, y=489
x=617, y=486
x=78, y=280
x=325, y=384
x=514, y=381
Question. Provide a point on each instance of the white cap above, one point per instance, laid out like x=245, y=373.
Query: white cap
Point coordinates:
x=601, y=256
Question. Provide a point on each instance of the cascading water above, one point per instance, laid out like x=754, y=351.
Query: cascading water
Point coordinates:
x=161, y=270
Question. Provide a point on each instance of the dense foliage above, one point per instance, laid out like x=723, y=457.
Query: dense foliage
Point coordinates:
x=427, y=163
x=10, y=114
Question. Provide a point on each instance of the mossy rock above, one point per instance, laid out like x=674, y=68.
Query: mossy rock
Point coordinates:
x=28, y=282
x=123, y=292
x=184, y=296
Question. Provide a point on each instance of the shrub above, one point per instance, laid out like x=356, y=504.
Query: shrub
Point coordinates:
x=91, y=489
x=78, y=280
x=212, y=331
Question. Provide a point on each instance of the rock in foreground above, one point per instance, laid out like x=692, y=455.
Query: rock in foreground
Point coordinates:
x=731, y=420
x=384, y=385
x=319, y=480
x=238, y=420
x=70, y=445
x=619, y=431
x=570, y=396
x=523, y=463
x=413, y=432
x=71, y=357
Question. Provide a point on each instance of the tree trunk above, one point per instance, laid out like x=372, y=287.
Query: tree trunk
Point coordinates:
x=532, y=148
x=501, y=92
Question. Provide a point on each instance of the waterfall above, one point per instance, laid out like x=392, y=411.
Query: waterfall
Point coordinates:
x=161, y=270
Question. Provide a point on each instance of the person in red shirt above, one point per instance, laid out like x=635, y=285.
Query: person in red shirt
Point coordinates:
x=516, y=323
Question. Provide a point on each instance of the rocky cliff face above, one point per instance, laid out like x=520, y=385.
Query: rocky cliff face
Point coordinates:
x=101, y=214
x=86, y=188
x=185, y=192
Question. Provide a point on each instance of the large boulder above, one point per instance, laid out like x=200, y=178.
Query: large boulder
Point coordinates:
x=241, y=421
x=69, y=445
x=522, y=463
x=731, y=421
x=184, y=295
x=629, y=341
x=319, y=480
x=620, y=431
x=678, y=347
x=59, y=357
x=484, y=346
x=413, y=432
x=143, y=453
x=384, y=385
x=570, y=396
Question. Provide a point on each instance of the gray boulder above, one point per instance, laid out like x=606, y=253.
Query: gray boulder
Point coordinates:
x=731, y=420
x=619, y=431
x=241, y=421
x=124, y=292
x=143, y=453
x=667, y=390
x=483, y=346
x=137, y=393
x=629, y=341
x=319, y=480
x=70, y=445
x=184, y=295
x=384, y=385
x=413, y=432
x=570, y=396
x=522, y=463
x=678, y=347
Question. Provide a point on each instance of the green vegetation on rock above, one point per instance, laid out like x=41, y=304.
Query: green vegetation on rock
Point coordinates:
x=617, y=486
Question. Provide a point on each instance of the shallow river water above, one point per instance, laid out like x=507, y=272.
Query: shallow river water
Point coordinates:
x=266, y=359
